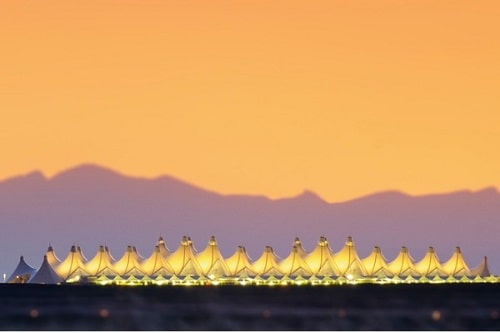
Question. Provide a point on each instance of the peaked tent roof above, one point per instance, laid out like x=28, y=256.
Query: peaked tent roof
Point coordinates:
x=46, y=274
x=78, y=248
x=429, y=265
x=22, y=273
x=183, y=260
x=164, y=250
x=157, y=264
x=376, y=264
x=129, y=263
x=482, y=269
x=403, y=264
x=53, y=260
x=102, y=263
x=300, y=250
x=267, y=264
x=211, y=261
x=348, y=261
x=321, y=261
x=456, y=266
x=294, y=265
x=239, y=263
x=73, y=265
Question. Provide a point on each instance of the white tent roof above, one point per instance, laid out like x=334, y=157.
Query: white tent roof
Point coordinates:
x=268, y=263
x=164, y=250
x=456, y=266
x=46, y=274
x=482, y=269
x=156, y=264
x=294, y=265
x=53, y=260
x=129, y=263
x=376, y=264
x=102, y=263
x=430, y=265
x=22, y=273
x=300, y=250
x=183, y=260
x=321, y=261
x=73, y=265
x=348, y=261
x=211, y=261
x=239, y=263
x=403, y=265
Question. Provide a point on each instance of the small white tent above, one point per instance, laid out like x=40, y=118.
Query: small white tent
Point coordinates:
x=46, y=274
x=482, y=269
x=22, y=273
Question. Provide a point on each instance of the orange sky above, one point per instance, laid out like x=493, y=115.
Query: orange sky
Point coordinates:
x=266, y=97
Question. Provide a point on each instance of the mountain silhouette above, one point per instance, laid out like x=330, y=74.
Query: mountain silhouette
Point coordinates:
x=90, y=205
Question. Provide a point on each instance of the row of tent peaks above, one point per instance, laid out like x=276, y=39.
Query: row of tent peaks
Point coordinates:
x=186, y=261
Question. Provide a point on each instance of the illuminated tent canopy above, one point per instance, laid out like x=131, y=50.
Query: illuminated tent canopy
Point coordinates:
x=129, y=263
x=183, y=260
x=239, y=264
x=73, y=266
x=156, y=264
x=348, y=261
x=211, y=261
x=102, y=263
x=53, y=260
x=429, y=265
x=403, y=265
x=456, y=265
x=268, y=263
x=376, y=264
x=321, y=261
x=185, y=266
x=294, y=265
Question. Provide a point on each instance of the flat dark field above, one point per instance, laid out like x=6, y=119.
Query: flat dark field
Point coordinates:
x=359, y=307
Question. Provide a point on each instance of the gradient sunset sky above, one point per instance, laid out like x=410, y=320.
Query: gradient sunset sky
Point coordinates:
x=344, y=98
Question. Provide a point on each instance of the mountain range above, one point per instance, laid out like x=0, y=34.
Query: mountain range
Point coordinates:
x=90, y=205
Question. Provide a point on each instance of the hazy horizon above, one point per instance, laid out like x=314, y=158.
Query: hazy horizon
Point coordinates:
x=50, y=176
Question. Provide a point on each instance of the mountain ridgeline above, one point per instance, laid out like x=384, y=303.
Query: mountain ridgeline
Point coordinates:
x=90, y=205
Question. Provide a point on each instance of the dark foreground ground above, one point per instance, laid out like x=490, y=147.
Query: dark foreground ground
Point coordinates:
x=361, y=307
